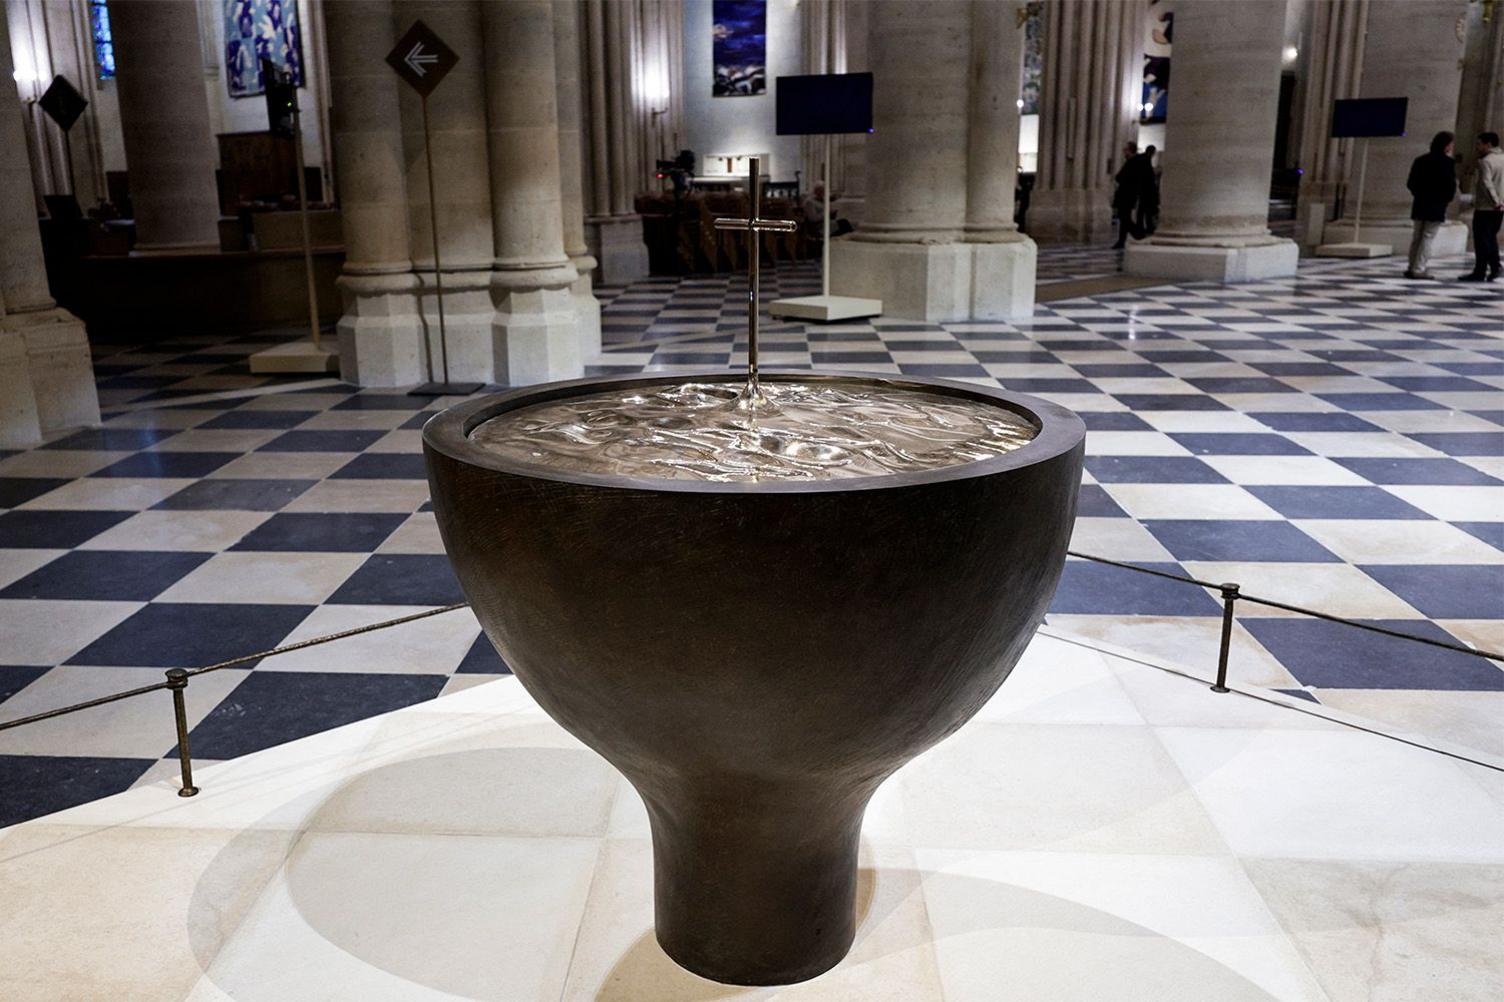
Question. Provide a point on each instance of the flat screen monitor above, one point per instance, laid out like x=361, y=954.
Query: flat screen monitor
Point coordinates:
x=822, y=104
x=1369, y=117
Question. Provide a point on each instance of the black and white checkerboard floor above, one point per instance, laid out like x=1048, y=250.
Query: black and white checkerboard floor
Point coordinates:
x=1334, y=440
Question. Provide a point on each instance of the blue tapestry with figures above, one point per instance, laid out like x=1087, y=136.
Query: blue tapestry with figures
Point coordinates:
x=256, y=30
x=739, y=47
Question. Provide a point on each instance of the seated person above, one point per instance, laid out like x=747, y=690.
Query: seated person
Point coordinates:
x=814, y=212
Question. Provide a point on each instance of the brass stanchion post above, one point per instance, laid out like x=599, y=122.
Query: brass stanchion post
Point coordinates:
x=177, y=682
x=1229, y=603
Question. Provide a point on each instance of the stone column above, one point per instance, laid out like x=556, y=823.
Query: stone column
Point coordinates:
x=46, y=377
x=1215, y=221
x=535, y=331
x=933, y=246
x=1412, y=50
x=1003, y=259
x=613, y=164
x=1093, y=77
x=571, y=180
x=164, y=120
x=380, y=333
x=1332, y=49
x=457, y=124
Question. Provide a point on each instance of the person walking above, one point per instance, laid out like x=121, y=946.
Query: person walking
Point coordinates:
x=1130, y=191
x=1433, y=185
x=1488, y=209
x=1148, y=199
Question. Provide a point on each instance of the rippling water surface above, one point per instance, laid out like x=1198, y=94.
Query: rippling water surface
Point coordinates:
x=694, y=431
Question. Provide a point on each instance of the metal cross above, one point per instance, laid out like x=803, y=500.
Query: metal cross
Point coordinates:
x=752, y=397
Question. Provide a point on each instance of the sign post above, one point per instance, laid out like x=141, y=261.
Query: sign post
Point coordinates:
x=284, y=121
x=1361, y=119
x=63, y=104
x=422, y=60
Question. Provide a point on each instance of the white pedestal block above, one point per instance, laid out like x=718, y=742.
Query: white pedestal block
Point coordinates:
x=587, y=311
x=467, y=340
x=380, y=336
x=1002, y=279
x=59, y=368
x=299, y=356
x=616, y=242
x=938, y=282
x=1354, y=250
x=1212, y=264
x=535, y=336
x=19, y=427
x=1450, y=239
x=826, y=308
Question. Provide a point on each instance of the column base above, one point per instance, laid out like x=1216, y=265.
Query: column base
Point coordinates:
x=1070, y=215
x=534, y=335
x=19, y=425
x=616, y=242
x=59, y=368
x=1450, y=239
x=586, y=307
x=938, y=282
x=467, y=341
x=380, y=335
x=1212, y=264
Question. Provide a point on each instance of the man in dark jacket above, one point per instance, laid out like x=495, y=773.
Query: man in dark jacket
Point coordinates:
x=1433, y=183
x=1134, y=179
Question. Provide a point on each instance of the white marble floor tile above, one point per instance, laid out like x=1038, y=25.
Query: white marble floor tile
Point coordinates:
x=1187, y=642
x=382, y=420
x=49, y=632
x=1429, y=421
x=1132, y=443
x=217, y=440
x=1033, y=925
x=282, y=466
x=110, y=493
x=190, y=531
x=16, y=564
x=1377, y=541
x=410, y=917
x=1383, y=930
x=1328, y=795
x=419, y=534
x=253, y=576
x=403, y=496
x=1117, y=539
x=1060, y=787
x=618, y=959
x=1221, y=501
x=142, y=727
x=525, y=777
x=1060, y=682
x=1453, y=503
x=1339, y=589
x=1471, y=719
x=71, y=932
x=1284, y=470
x=1166, y=699
x=59, y=462
x=1203, y=421
x=434, y=645
x=1361, y=444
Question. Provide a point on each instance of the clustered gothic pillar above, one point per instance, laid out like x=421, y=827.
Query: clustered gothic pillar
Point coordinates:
x=1333, y=46
x=1093, y=73
x=835, y=41
x=1215, y=222
x=380, y=335
x=938, y=242
x=46, y=377
x=164, y=121
x=571, y=180
x=534, y=327
x=462, y=191
x=631, y=61
x=1412, y=50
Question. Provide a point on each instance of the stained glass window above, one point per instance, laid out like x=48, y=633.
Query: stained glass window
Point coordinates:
x=104, y=42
